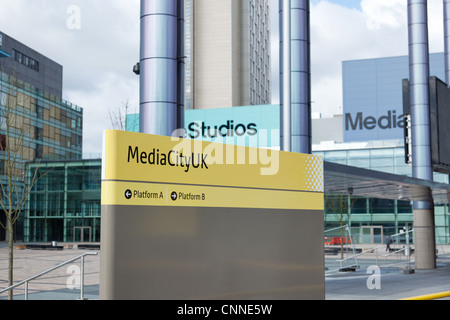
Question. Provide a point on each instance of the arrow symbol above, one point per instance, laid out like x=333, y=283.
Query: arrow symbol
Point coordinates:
x=173, y=196
x=128, y=194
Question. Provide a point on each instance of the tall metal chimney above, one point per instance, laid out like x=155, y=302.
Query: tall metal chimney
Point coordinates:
x=447, y=40
x=181, y=66
x=159, y=66
x=295, y=56
x=285, y=74
x=420, y=121
x=301, y=76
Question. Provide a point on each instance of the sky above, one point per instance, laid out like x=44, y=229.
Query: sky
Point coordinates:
x=97, y=42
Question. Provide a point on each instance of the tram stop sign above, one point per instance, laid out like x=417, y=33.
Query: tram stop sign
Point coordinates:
x=186, y=219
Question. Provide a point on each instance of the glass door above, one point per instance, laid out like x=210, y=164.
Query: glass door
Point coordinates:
x=82, y=234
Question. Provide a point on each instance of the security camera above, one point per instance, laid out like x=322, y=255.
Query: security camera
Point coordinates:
x=136, y=68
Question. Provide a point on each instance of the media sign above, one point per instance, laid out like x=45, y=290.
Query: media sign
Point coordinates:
x=373, y=97
x=360, y=121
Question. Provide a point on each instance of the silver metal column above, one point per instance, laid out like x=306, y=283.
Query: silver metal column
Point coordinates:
x=447, y=40
x=181, y=66
x=420, y=120
x=158, y=67
x=301, y=77
x=295, y=76
x=285, y=74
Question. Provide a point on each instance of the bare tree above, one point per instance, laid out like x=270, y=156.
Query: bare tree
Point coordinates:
x=340, y=205
x=15, y=152
x=119, y=116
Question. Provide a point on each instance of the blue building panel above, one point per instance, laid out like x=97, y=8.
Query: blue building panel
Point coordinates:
x=373, y=97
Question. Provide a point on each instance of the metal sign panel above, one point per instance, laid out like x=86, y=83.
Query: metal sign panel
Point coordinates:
x=440, y=118
x=186, y=219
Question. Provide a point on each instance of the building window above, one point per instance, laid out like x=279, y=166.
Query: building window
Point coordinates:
x=2, y=142
x=26, y=61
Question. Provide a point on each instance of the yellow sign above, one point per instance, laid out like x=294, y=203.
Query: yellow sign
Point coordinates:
x=148, y=170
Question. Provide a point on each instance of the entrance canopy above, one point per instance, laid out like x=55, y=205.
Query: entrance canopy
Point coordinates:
x=375, y=184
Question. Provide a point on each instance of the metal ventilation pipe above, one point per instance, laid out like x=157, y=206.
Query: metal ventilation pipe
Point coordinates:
x=181, y=66
x=447, y=40
x=301, y=77
x=158, y=67
x=285, y=74
x=295, y=76
x=420, y=121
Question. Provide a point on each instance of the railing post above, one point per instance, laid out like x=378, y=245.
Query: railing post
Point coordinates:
x=82, y=279
x=376, y=256
x=26, y=290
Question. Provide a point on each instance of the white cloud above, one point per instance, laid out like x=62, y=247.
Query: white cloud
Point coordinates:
x=337, y=34
x=97, y=58
x=388, y=13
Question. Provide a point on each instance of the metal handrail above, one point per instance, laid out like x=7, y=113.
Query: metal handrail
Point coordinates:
x=347, y=228
x=393, y=252
x=360, y=254
x=26, y=281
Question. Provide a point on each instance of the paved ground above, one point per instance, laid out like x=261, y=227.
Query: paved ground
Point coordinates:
x=55, y=285
x=390, y=284
x=391, y=281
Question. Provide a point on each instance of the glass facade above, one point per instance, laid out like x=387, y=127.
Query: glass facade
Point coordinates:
x=393, y=215
x=52, y=127
x=34, y=126
x=259, y=49
x=373, y=138
x=64, y=204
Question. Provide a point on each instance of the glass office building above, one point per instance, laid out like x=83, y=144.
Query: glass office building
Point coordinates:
x=49, y=127
x=373, y=96
x=64, y=204
x=53, y=127
x=390, y=215
x=373, y=129
x=36, y=124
